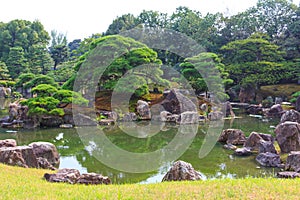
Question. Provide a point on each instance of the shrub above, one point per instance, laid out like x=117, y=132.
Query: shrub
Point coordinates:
x=67, y=96
x=44, y=90
x=295, y=96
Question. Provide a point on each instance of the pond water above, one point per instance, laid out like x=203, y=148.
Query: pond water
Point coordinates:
x=219, y=163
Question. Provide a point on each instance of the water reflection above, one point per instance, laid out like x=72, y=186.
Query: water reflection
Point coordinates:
x=80, y=154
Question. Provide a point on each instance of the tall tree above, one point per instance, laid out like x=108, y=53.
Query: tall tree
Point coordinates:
x=59, y=50
x=254, y=61
x=21, y=33
x=40, y=59
x=16, y=62
x=123, y=23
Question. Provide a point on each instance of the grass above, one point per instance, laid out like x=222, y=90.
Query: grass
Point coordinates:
x=20, y=183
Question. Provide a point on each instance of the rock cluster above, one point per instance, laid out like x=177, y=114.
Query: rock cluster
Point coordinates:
x=35, y=155
x=73, y=176
x=182, y=171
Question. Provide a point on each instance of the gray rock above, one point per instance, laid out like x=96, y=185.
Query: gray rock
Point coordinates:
x=188, y=118
x=230, y=147
x=293, y=161
x=266, y=146
x=182, y=171
x=254, y=139
x=176, y=102
x=93, y=179
x=275, y=111
x=290, y=115
x=228, y=109
x=143, y=110
x=84, y=120
x=254, y=109
x=244, y=151
x=232, y=136
x=215, y=116
x=63, y=175
x=288, y=136
x=44, y=164
x=287, y=174
x=164, y=116
x=51, y=121
x=22, y=156
x=8, y=143
x=129, y=117
x=268, y=159
x=106, y=122
x=46, y=150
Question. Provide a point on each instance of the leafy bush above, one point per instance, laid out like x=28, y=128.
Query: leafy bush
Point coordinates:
x=295, y=96
x=44, y=90
x=41, y=79
x=23, y=79
x=5, y=83
x=67, y=96
x=41, y=105
x=57, y=111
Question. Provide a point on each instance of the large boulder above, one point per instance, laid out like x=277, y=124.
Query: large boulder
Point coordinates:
x=288, y=136
x=8, y=143
x=254, y=139
x=73, y=176
x=232, y=136
x=46, y=150
x=290, y=115
x=22, y=156
x=176, y=102
x=228, y=109
x=63, y=175
x=254, y=109
x=293, y=161
x=247, y=95
x=93, y=179
x=143, y=110
x=275, y=111
x=266, y=146
x=268, y=159
x=51, y=121
x=188, y=118
x=182, y=171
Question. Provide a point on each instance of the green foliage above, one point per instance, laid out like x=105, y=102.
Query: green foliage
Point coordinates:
x=41, y=79
x=59, y=50
x=40, y=59
x=67, y=96
x=44, y=90
x=6, y=83
x=63, y=72
x=23, y=34
x=4, y=73
x=132, y=54
x=206, y=72
x=16, y=62
x=57, y=111
x=41, y=105
x=23, y=79
x=295, y=96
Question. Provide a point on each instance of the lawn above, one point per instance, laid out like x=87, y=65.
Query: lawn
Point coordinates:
x=20, y=183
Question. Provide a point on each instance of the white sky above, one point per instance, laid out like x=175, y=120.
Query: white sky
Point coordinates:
x=82, y=18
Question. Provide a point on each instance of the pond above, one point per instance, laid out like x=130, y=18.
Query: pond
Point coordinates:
x=219, y=163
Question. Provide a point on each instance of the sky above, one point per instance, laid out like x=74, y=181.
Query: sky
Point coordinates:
x=80, y=19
